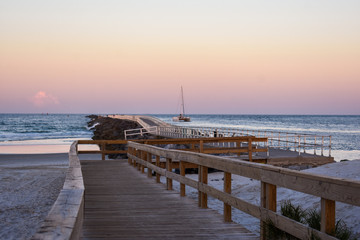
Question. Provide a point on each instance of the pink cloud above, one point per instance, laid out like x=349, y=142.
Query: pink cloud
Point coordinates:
x=42, y=99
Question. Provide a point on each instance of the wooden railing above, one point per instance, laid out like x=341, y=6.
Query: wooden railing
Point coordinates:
x=102, y=147
x=65, y=218
x=298, y=142
x=328, y=189
x=223, y=145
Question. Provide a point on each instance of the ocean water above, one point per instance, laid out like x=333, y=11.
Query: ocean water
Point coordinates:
x=22, y=129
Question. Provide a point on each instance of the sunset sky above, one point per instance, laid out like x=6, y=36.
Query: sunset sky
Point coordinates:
x=230, y=56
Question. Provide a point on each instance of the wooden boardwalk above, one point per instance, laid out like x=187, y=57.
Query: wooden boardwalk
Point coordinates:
x=122, y=203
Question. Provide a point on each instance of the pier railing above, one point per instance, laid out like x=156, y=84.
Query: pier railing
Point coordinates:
x=328, y=189
x=140, y=131
x=301, y=143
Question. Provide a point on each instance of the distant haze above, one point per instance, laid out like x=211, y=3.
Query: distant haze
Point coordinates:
x=240, y=57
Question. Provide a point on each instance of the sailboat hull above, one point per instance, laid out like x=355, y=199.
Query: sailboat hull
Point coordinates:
x=181, y=119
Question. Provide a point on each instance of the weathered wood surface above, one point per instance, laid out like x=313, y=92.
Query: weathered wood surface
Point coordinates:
x=336, y=189
x=330, y=189
x=122, y=203
x=64, y=220
x=198, y=145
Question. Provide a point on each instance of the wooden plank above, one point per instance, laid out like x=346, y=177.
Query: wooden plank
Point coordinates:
x=148, y=158
x=169, y=182
x=136, y=207
x=158, y=165
x=250, y=149
x=103, y=148
x=327, y=216
x=204, y=180
x=182, y=173
x=227, y=189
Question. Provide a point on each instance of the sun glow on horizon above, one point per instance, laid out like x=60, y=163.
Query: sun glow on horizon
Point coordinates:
x=132, y=57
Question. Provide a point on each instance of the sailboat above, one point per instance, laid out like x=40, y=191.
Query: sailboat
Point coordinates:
x=182, y=116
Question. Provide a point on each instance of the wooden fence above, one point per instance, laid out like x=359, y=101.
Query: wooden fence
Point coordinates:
x=328, y=189
x=298, y=142
x=221, y=145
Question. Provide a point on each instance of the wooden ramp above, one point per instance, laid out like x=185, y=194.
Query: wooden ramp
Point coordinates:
x=122, y=203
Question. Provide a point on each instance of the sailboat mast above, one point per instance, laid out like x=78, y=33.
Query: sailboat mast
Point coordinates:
x=182, y=101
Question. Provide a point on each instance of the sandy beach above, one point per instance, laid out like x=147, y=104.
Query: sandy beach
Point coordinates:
x=30, y=184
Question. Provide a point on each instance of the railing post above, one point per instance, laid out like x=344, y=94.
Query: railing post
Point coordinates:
x=329, y=146
x=279, y=140
x=103, y=146
x=158, y=165
x=129, y=158
x=138, y=163
x=327, y=216
x=182, y=173
x=238, y=145
x=201, y=146
x=143, y=157
x=268, y=201
x=149, y=160
x=169, y=183
x=227, y=189
x=250, y=149
x=203, y=178
x=135, y=154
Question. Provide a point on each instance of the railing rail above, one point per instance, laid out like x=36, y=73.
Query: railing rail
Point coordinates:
x=329, y=189
x=248, y=145
x=65, y=218
x=140, y=131
x=299, y=142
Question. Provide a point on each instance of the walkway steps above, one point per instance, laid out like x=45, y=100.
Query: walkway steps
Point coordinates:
x=122, y=203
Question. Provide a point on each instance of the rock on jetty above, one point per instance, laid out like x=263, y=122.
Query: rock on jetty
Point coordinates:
x=106, y=128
